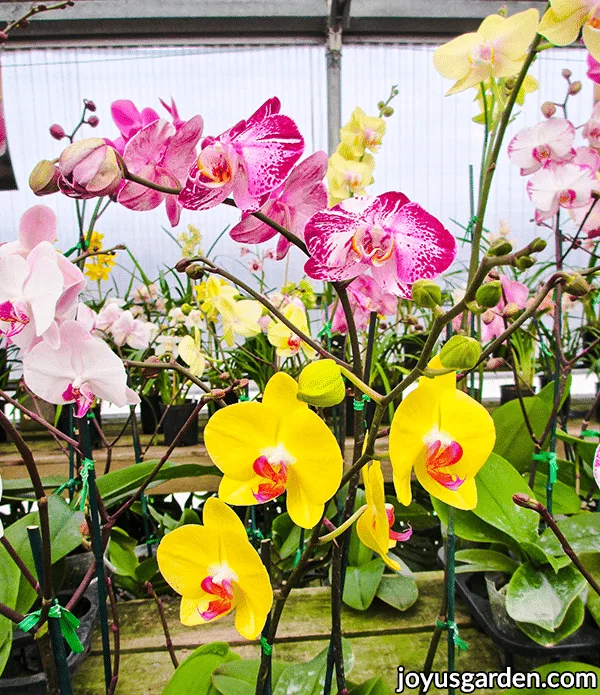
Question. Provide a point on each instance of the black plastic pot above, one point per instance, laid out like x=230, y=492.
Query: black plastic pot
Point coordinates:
x=151, y=408
x=509, y=392
x=175, y=418
x=24, y=655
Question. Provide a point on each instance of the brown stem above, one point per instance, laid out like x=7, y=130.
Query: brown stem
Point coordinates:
x=20, y=564
x=37, y=9
x=165, y=625
x=103, y=252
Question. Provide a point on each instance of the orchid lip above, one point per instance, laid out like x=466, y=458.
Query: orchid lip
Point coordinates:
x=221, y=586
x=272, y=465
x=17, y=319
x=442, y=452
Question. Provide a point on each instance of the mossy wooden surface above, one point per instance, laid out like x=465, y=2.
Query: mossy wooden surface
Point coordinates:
x=382, y=639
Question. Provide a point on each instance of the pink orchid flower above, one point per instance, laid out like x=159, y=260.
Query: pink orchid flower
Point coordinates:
x=564, y=185
x=129, y=120
x=250, y=161
x=515, y=295
x=589, y=223
x=291, y=205
x=162, y=154
x=365, y=296
x=591, y=130
x=108, y=315
x=29, y=293
x=397, y=239
x=82, y=369
x=548, y=141
x=127, y=329
x=593, y=71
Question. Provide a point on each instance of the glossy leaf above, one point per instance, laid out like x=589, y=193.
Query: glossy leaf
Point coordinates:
x=9, y=587
x=398, y=591
x=194, y=674
x=487, y=560
x=469, y=526
x=542, y=597
x=121, y=552
x=361, y=584
x=374, y=686
x=564, y=498
x=582, y=531
x=239, y=677
x=548, y=638
x=592, y=565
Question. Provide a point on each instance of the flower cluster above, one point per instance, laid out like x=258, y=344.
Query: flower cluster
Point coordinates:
x=99, y=265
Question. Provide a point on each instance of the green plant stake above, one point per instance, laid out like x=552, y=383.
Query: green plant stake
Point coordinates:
x=139, y=458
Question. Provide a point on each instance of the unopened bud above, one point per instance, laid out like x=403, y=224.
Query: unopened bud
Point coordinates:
x=566, y=73
x=500, y=248
x=577, y=285
x=57, y=131
x=182, y=265
x=538, y=245
x=575, y=88
x=525, y=262
x=460, y=352
x=387, y=111
x=503, y=11
x=218, y=394
x=426, y=294
x=548, y=109
x=488, y=316
x=381, y=105
x=510, y=83
x=321, y=384
x=490, y=294
x=93, y=121
x=242, y=383
x=224, y=376
x=149, y=372
x=194, y=271
x=43, y=179
x=494, y=363
x=510, y=310
x=186, y=309
x=89, y=105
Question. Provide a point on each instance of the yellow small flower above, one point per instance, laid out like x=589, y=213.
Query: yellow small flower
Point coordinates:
x=445, y=435
x=563, y=20
x=362, y=133
x=213, y=294
x=346, y=177
x=98, y=267
x=284, y=339
x=216, y=570
x=497, y=49
x=374, y=527
x=279, y=445
x=240, y=318
x=190, y=351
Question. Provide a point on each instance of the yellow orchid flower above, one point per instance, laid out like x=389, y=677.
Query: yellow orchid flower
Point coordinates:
x=374, y=527
x=362, y=133
x=445, y=435
x=240, y=318
x=346, y=177
x=496, y=49
x=564, y=18
x=279, y=445
x=284, y=339
x=190, y=351
x=213, y=294
x=216, y=570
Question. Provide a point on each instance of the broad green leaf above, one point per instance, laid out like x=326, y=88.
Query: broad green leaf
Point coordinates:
x=548, y=638
x=358, y=554
x=9, y=587
x=286, y=535
x=582, y=531
x=469, y=526
x=146, y=570
x=564, y=498
x=374, y=686
x=65, y=536
x=512, y=437
x=542, y=597
x=419, y=518
x=398, y=591
x=491, y=560
x=121, y=552
x=239, y=677
x=547, y=393
x=592, y=565
x=309, y=678
x=563, y=667
x=497, y=482
x=361, y=584
x=194, y=674
x=540, y=556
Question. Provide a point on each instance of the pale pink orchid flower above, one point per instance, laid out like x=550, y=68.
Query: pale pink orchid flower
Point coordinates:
x=131, y=331
x=593, y=71
x=591, y=130
x=589, y=223
x=514, y=293
x=86, y=316
x=107, y=316
x=162, y=154
x=564, y=185
x=397, y=239
x=365, y=296
x=82, y=369
x=550, y=140
x=249, y=161
x=291, y=205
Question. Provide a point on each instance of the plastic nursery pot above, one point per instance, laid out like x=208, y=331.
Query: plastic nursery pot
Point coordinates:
x=174, y=420
x=509, y=392
x=151, y=408
x=23, y=672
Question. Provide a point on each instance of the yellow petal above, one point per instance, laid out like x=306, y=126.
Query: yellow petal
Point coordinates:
x=451, y=59
x=239, y=492
x=280, y=395
x=190, y=610
x=591, y=38
x=516, y=34
x=302, y=510
x=184, y=556
x=235, y=435
x=561, y=25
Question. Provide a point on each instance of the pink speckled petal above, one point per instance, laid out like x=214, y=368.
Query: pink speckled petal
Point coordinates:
x=134, y=196
x=385, y=206
x=199, y=196
x=146, y=146
x=321, y=271
x=597, y=466
x=305, y=178
x=180, y=153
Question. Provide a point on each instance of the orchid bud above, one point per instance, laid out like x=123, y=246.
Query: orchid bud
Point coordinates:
x=89, y=105
x=43, y=179
x=566, y=73
x=577, y=285
x=89, y=168
x=538, y=245
x=57, y=131
x=525, y=262
x=194, y=271
x=494, y=363
x=548, y=109
x=149, y=372
x=93, y=121
x=490, y=294
x=426, y=294
x=488, y=316
x=186, y=309
x=575, y=88
x=460, y=352
x=510, y=310
x=387, y=111
x=218, y=394
x=321, y=384
x=500, y=248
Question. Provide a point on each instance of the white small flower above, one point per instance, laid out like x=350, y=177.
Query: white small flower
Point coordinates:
x=167, y=344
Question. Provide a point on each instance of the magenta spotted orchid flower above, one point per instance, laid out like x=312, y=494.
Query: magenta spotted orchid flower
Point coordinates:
x=548, y=141
x=82, y=369
x=248, y=161
x=365, y=296
x=397, y=239
x=291, y=205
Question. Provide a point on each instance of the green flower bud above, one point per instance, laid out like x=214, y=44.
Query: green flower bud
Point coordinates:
x=500, y=248
x=460, y=352
x=538, y=245
x=525, y=262
x=490, y=294
x=387, y=111
x=426, y=294
x=577, y=285
x=186, y=309
x=43, y=180
x=321, y=384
